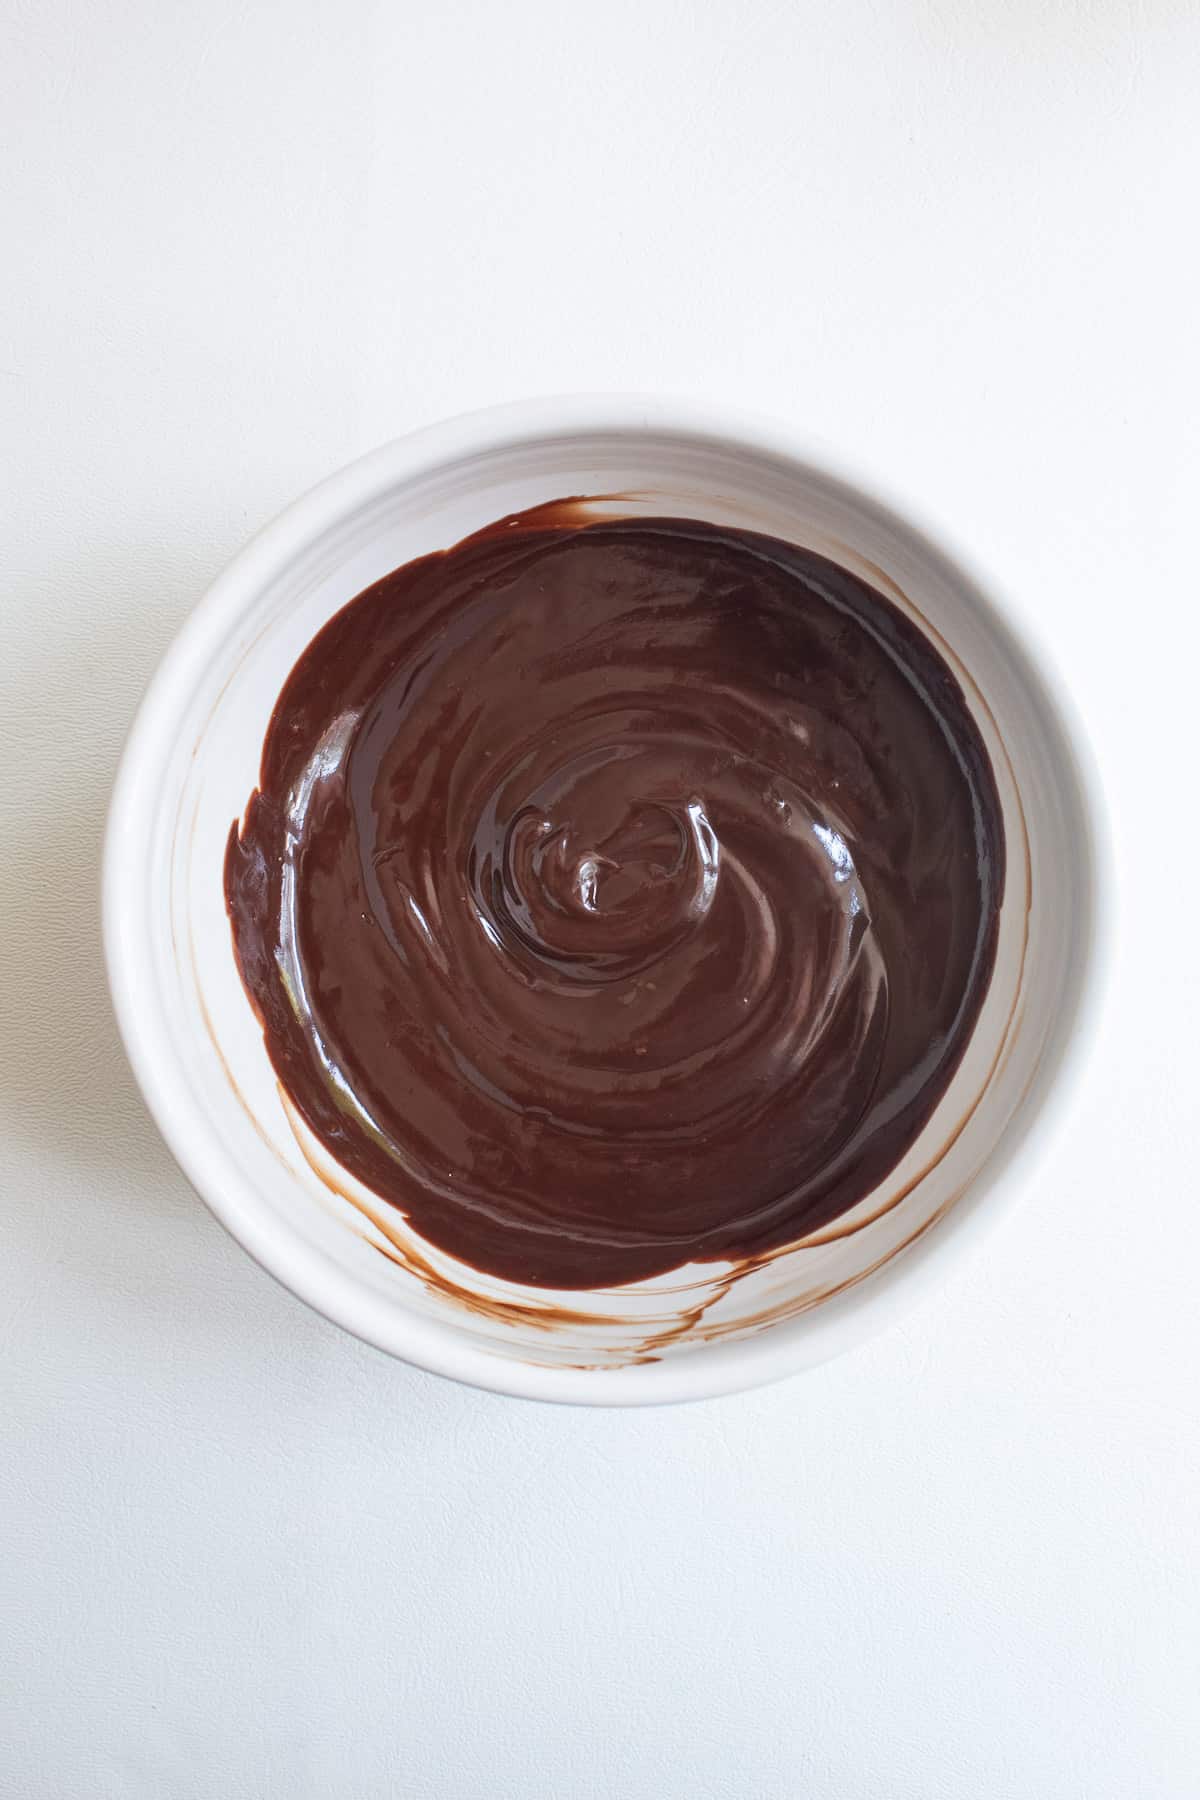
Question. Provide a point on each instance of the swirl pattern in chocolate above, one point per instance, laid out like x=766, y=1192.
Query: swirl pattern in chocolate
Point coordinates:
x=618, y=895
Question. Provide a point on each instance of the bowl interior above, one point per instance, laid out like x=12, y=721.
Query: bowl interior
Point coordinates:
x=197, y=1047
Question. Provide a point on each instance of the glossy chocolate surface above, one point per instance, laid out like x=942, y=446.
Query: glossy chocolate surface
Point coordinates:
x=617, y=895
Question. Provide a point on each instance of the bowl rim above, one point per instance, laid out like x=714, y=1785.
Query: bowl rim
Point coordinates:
x=716, y=1369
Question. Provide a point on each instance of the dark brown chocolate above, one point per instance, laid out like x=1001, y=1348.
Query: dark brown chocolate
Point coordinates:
x=618, y=895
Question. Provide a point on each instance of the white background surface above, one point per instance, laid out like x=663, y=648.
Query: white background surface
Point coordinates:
x=242, y=1555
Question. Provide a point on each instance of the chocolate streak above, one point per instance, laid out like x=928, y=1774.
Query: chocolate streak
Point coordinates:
x=618, y=895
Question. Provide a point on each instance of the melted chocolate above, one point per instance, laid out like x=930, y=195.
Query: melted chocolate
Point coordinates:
x=618, y=895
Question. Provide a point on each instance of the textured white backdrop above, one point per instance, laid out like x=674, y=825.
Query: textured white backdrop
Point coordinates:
x=242, y=1556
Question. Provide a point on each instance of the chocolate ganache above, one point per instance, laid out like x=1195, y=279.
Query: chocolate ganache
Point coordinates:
x=618, y=894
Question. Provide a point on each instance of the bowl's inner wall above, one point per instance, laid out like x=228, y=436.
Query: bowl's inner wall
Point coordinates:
x=204, y=786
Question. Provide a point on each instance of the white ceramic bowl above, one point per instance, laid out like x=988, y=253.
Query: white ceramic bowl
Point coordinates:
x=196, y=1049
